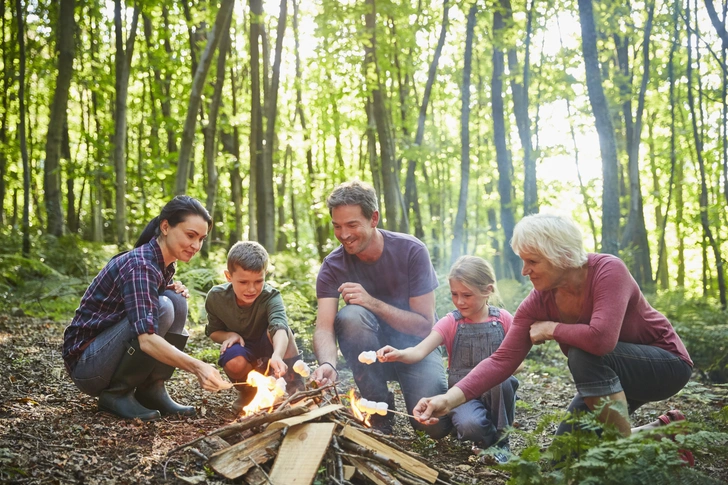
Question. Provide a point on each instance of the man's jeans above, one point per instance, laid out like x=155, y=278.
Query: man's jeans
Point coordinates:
x=645, y=373
x=358, y=330
x=99, y=361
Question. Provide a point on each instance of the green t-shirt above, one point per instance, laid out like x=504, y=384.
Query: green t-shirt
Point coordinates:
x=266, y=313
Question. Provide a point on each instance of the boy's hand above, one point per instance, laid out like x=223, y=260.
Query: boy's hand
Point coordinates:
x=234, y=339
x=389, y=354
x=277, y=366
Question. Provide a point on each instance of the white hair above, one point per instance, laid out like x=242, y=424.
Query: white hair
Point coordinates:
x=556, y=238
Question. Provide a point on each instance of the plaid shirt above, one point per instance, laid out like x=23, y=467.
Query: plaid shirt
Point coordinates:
x=127, y=288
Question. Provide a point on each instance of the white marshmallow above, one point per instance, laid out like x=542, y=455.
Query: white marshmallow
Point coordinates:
x=301, y=368
x=382, y=408
x=280, y=387
x=369, y=357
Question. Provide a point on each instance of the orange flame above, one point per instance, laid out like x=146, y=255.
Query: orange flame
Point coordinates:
x=265, y=397
x=358, y=413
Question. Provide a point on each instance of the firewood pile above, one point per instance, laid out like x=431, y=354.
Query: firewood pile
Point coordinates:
x=314, y=433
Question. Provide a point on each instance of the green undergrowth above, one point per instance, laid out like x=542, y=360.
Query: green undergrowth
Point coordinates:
x=590, y=455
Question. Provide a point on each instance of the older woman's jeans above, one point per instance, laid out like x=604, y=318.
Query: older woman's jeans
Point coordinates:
x=645, y=373
x=98, y=362
x=358, y=330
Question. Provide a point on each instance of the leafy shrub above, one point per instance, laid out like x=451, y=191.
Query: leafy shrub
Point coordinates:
x=592, y=455
x=702, y=328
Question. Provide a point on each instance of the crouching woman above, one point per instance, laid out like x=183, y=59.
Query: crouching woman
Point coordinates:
x=128, y=334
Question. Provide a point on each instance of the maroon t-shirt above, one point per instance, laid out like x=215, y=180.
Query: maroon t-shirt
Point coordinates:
x=403, y=271
x=614, y=310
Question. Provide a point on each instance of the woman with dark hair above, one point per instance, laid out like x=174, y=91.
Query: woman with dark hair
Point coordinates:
x=128, y=335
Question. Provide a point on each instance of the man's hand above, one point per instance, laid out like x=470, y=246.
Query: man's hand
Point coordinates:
x=325, y=374
x=228, y=342
x=429, y=409
x=178, y=287
x=355, y=294
x=542, y=331
x=277, y=366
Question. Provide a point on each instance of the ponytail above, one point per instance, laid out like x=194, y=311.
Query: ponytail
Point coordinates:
x=150, y=231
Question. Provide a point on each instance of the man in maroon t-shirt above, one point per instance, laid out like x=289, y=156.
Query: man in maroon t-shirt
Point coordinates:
x=387, y=282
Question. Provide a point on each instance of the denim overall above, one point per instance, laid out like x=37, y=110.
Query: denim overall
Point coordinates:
x=484, y=419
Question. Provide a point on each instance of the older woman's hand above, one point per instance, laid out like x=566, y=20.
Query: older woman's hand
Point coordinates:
x=542, y=331
x=428, y=409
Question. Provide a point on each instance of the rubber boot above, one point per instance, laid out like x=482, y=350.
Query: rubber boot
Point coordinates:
x=246, y=394
x=294, y=381
x=119, y=398
x=152, y=393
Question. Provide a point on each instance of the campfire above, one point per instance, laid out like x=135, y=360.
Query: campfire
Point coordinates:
x=313, y=433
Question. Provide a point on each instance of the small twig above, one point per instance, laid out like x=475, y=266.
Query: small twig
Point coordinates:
x=198, y=453
x=267, y=478
x=400, y=413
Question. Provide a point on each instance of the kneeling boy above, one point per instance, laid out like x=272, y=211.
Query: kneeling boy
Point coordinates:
x=247, y=318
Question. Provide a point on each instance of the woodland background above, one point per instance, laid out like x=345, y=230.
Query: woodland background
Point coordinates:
x=464, y=115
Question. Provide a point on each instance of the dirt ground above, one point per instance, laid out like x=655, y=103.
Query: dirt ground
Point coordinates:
x=52, y=433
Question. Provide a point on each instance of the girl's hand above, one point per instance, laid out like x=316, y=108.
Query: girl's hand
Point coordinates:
x=389, y=354
x=277, y=366
x=179, y=288
x=429, y=408
x=233, y=339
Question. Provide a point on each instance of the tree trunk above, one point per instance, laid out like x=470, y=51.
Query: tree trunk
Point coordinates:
x=123, y=66
x=256, y=114
x=719, y=26
x=231, y=144
x=210, y=130
x=661, y=217
x=704, y=219
x=198, y=84
x=457, y=239
x=410, y=194
x=265, y=195
x=503, y=155
x=605, y=130
x=4, y=119
x=21, y=128
x=635, y=232
x=66, y=27
x=382, y=117
x=169, y=125
x=523, y=122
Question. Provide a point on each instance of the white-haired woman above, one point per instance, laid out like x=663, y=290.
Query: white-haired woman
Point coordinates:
x=619, y=348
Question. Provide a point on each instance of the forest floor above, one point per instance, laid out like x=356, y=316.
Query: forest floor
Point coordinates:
x=52, y=433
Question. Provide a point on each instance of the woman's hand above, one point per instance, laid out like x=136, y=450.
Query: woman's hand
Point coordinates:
x=542, y=331
x=429, y=409
x=389, y=354
x=277, y=366
x=178, y=287
x=235, y=338
x=210, y=379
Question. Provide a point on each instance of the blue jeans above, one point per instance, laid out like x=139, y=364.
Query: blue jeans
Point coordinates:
x=645, y=373
x=483, y=420
x=358, y=330
x=99, y=361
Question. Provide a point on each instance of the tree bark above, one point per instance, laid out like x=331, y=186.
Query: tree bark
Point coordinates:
x=410, y=194
x=457, y=239
x=123, y=66
x=4, y=118
x=382, y=117
x=210, y=130
x=605, y=130
x=503, y=155
x=66, y=27
x=265, y=196
x=704, y=220
x=719, y=26
x=22, y=128
x=256, y=114
x=198, y=84
x=635, y=232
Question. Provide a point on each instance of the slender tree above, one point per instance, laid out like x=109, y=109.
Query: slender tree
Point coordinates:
x=457, y=239
x=605, y=130
x=203, y=67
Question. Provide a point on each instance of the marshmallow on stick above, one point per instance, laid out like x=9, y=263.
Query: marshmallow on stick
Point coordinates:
x=368, y=358
x=301, y=368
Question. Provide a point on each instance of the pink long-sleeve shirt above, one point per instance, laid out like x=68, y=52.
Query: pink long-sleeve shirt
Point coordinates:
x=614, y=310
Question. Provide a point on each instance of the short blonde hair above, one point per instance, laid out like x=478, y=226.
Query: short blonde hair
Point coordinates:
x=475, y=273
x=556, y=238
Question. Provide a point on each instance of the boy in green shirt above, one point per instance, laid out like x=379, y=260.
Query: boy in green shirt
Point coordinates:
x=247, y=318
